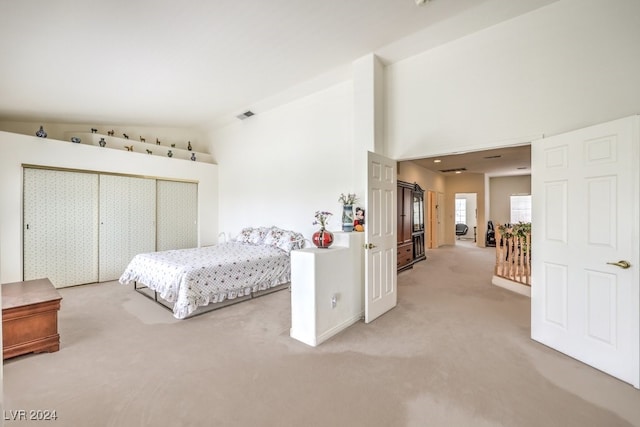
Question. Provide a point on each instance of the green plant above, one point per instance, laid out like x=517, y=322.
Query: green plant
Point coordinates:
x=349, y=199
x=521, y=229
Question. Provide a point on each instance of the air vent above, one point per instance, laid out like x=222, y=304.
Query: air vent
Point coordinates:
x=453, y=170
x=493, y=157
x=245, y=115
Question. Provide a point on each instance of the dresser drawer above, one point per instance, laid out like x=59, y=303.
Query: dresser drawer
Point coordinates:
x=405, y=254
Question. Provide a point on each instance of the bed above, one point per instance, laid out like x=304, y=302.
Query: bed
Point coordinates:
x=254, y=263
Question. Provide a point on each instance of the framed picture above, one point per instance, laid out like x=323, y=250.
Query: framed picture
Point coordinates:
x=358, y=218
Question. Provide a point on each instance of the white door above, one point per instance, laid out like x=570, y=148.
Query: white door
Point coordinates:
x=585, y=188
x=381, y=293
x=127, y=222
x=60, y=226
x=177, y=215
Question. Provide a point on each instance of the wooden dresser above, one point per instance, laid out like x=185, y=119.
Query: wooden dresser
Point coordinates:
x=410, y=225
x=30, y=317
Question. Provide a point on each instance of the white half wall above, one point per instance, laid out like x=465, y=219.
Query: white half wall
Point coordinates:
x=17, y=149
x=279, y=167
x=564, y=66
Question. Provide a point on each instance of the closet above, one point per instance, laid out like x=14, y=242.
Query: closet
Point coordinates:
x=127, y=222
x=85, y=227
x=410, y=225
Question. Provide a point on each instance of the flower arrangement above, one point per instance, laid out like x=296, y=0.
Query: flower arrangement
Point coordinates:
x=349, y=199
x=322, y=218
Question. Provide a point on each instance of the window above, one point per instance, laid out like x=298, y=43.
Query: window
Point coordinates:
x=520, y=209
x=461, y=211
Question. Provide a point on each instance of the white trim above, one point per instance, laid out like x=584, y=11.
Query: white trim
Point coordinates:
x=512, y=286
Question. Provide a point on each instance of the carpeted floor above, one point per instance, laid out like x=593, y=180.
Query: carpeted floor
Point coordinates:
x=454, y=352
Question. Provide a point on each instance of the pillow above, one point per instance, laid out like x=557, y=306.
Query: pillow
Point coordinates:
x=284, y=239
x=257, y=235
x=273, y=236
x=245, y=235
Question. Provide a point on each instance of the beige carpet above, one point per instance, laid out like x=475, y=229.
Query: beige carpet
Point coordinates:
x=454, y=352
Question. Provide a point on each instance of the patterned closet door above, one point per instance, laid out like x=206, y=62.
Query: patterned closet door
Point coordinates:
x=60, y=226
x=177, y=213
x=127, y=222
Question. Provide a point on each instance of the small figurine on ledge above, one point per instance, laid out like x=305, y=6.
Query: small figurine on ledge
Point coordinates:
x=111, y=132
x=189, y=146
x=142, y=139
x=149, y=152
x=41, y=133
x=102, y=142
x=157, y=141
x=125, y=136
x=173, y=145
x=170, y=153
x=129, y=147
x=94, y=130
x=193, y=156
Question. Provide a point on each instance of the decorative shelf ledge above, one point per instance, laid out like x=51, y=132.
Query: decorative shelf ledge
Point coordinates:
x=150, y=148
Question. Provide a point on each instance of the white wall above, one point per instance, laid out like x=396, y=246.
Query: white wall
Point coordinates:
x=564, y=66
x=17, y=149
x=279, y=167
x=501, y=189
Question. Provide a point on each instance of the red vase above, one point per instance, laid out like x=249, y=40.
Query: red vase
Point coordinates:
x=322, y=238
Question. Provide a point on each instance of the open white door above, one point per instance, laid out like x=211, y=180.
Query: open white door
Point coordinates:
x=585, y=187
x=381, y=293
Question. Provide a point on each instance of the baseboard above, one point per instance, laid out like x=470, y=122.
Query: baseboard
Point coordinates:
x=512, y=286
x=338, y=328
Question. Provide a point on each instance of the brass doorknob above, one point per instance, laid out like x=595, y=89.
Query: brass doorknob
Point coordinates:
x=369, y=246
x=622, y=264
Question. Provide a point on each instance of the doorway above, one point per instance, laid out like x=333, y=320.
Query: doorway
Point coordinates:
x=466, y=217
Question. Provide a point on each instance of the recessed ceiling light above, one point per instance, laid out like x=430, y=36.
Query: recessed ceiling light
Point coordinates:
x=437, y=161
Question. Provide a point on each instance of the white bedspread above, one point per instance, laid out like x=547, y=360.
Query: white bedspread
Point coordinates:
x=194, y=277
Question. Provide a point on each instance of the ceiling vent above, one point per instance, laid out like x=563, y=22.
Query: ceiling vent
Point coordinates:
x=453, y=170
x=493, y=157
x=245, y=115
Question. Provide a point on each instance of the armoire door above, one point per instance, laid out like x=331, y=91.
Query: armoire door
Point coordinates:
x=60, y=226
x=177, y=215
x=127, y=222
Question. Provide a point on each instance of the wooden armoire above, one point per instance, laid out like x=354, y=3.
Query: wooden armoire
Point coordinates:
x=410, y=225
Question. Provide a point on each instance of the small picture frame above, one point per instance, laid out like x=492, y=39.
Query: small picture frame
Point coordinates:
x=358, y=218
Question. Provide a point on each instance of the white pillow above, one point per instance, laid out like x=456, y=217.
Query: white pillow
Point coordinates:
x=245, y=235
x=258, y=234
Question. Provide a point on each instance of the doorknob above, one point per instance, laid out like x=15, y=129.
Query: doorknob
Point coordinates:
x=621, y=264
x=369, y=246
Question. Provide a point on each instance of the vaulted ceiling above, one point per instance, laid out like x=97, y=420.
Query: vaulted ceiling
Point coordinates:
x=192, y=62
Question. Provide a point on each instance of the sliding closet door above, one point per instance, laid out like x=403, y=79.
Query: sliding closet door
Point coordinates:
x=127, y=222
x=60, y=226
x=177, y=215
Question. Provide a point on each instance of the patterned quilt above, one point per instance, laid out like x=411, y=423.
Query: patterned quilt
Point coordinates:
x=199, y=276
